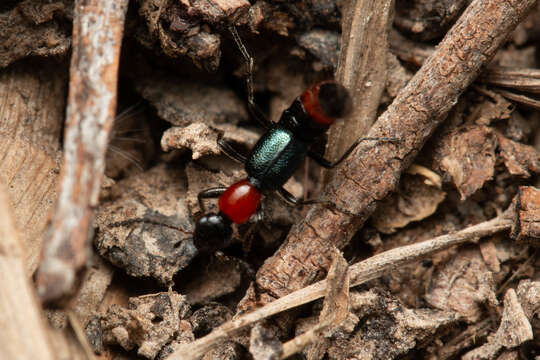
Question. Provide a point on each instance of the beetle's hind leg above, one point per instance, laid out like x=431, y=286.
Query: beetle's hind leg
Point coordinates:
x=211, y=193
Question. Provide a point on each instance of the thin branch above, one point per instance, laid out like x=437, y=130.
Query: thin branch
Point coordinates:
x=360, y=273
x=97, y=36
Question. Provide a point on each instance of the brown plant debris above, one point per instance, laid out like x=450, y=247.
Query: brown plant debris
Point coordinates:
x=148, y=324
x=144, y=228
x=527, y=224
x=32, y=28
x=467, y=154
x=414, y=201
x=223, y=277
x=170, y=29
x=183, y=103
x=385, y=329
x=520, y=159
x=514, y=330
x=463, y=285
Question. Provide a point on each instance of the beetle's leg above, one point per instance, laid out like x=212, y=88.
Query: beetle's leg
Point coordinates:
x=331, y=164
x=293, y=201
x=231, y=152
x=257, y=113
x=211, y=193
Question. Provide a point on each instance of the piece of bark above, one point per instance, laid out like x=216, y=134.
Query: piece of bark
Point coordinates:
x=371, y=173
x=463, y=285
x=494, y=108
x=467, y=154
x=174, y=32
x=526, y=227
x=146, y=228
x=222, y=278
x=520, y=159
x=427, y=20
x=361, y=70
x=202, y=139
x=34, y=99
x=97, y=37
x=183, y=103
x=414, y=201
x=150, y=322
x=24, y=333
x=217, y=11
x=388, y=330
x=31, y=29
x=514, y=330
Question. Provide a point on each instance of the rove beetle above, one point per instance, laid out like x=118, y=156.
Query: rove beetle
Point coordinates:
x=274, y=158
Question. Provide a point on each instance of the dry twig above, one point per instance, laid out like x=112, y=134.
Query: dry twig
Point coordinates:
x=359, y=273
x=370, y=174
x=97, y=35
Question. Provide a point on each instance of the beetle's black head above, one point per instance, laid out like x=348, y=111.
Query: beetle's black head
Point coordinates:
x=212, y=232
x=312, y=113
x=334, y=99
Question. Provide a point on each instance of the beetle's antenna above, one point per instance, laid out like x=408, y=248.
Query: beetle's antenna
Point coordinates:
x=249, y=62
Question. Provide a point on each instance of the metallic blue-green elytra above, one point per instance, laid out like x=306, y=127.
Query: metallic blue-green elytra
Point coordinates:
x=275, y=158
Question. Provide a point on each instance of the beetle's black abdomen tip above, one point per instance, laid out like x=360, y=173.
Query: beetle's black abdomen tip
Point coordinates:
x=212, y=232
x=334, y=99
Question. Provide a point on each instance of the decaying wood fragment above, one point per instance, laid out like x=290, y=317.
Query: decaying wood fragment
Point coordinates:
x=24, y=333
x=150, y=322
x=464, y=285
x=31, y=29
x=527, y=223
x=414, y=201
x=467, y=154
x=97, y=36
x=373, y=171
x=145, y=228
x=514, y=330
